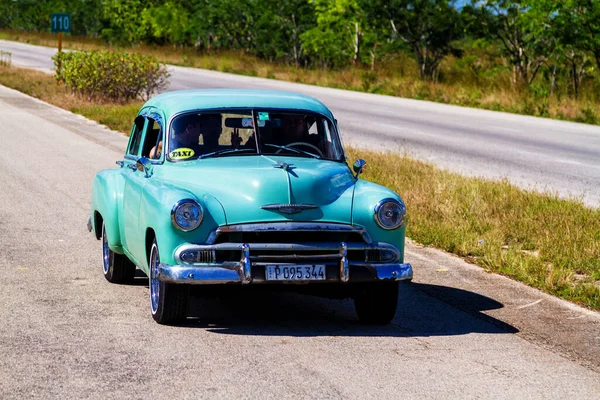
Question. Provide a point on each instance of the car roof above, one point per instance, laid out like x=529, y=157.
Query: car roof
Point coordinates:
x=185, y=100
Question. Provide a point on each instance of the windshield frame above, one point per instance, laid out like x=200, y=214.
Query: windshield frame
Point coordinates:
x=336, y=139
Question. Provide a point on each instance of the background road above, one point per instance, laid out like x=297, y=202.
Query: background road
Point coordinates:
x=561, y=157
x=65, y=332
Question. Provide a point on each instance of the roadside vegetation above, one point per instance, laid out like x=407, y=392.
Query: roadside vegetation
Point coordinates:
x=113, y=76
x=535, y=57
x=546, y=242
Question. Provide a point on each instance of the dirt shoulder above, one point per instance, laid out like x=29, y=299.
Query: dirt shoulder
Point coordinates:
x=552, y=323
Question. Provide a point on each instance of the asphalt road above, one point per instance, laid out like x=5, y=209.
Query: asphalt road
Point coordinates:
x=65, y=332
x=541, y=154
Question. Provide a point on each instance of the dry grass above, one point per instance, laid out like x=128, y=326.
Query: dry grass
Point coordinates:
x=541, y=240
x=546, y=242
x=44, y=87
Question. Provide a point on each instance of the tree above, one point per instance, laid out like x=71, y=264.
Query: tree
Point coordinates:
x=427, y=26
x=168, y=22
x=279, y=28
x=337, y=37
x=563, y=25
x=587, y=14
x=124, y=20
x=523, y=34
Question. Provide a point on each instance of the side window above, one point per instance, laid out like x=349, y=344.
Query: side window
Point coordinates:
x=152, y=140
x=312, y=130
x=136, y=139
x=330, y=145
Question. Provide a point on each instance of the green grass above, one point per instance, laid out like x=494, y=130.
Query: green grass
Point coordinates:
x=546, y=242
x=480, y=79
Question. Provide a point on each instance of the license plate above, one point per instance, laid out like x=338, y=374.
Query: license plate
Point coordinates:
x=295, y=272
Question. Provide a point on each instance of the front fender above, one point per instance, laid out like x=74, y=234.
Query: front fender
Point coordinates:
x=107, y=195
x=155, y=215
x=366, y=197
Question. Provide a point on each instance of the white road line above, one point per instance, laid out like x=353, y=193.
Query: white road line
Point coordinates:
x=529, y=305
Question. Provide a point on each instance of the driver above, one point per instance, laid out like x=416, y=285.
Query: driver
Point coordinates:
x=295, y=130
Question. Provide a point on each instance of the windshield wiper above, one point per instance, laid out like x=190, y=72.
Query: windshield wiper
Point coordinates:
x=294, y=150
x=224, y=152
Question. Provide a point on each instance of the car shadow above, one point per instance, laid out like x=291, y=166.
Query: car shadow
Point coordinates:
x=140, y=279
x=423, y=310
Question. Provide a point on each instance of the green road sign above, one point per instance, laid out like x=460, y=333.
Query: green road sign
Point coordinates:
x=60, y=22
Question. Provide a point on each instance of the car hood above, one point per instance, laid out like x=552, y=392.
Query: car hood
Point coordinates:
x=245, y=184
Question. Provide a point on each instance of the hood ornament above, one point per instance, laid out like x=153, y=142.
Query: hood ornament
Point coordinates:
x=284, y=166
x=289, y=208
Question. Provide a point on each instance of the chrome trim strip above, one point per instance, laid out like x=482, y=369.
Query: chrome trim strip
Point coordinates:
x=301, y=247
x=246, y=265
x=289, y=208
x=289, y=226
x=230, y=274
x=297, y=257
x=344, y=270
x=396, y=272
x=195, y=275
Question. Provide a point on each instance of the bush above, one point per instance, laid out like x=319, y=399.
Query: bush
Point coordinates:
x=111, y=76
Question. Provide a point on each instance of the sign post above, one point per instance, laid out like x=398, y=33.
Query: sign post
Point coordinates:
x=60, y=22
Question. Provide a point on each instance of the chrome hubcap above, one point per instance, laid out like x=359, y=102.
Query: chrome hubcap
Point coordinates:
x=106, y=253
x=154, y=282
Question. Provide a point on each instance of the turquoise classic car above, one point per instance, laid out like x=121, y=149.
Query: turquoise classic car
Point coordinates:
x=247, y=187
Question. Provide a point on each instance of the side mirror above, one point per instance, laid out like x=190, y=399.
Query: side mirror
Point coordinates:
x=358, y=166
x=143, y=164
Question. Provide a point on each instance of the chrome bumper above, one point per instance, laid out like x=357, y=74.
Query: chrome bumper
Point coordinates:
x=251, y=269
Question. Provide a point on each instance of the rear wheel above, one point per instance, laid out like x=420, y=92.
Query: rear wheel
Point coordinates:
x=117, y=268
x=168, y=302
x=376, y=303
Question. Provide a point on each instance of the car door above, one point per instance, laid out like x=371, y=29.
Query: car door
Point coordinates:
x=137, y=180
x=132, y=192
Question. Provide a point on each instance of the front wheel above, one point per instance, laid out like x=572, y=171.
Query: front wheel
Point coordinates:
x=376, y=303
x=117, y=268
x=168, y=302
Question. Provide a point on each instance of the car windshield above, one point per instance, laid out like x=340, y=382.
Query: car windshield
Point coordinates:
x=227, y=133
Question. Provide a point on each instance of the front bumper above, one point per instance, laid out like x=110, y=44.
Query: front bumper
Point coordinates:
x=251, y=268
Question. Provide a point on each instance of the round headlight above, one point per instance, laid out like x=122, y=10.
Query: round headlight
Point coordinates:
x=389, y=213
x=186, y=215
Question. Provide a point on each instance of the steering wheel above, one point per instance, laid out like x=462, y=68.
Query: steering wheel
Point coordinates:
x=312, y=146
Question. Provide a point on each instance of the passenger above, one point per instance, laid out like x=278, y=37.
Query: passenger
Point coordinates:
x=156, y=151
x=236, y=140
x=211, y=127
x=186, y=133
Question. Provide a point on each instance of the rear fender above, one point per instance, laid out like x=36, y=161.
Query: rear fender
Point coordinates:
x=107, y=195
